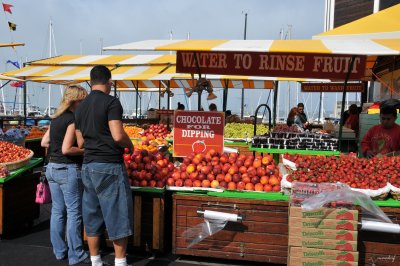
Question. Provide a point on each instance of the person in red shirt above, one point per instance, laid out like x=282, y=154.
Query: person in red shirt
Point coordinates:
x=383, y=138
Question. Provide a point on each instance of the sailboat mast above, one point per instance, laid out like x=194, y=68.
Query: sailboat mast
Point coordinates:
x=50, y=32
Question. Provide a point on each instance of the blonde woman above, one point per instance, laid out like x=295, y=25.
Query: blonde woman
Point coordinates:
x=64, y=175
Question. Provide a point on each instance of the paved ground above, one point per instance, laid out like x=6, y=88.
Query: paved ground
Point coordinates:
x=33, y=248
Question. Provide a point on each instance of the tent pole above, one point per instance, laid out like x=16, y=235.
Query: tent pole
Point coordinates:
x=275, y=101
x=168, y=93
x=343, y=99
x=24, y=89
x=137, y=95
x=320, y=107
x=242, y=106
x=225, y=96
x=159, y=95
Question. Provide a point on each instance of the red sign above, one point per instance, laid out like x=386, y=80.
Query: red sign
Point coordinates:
x=332, y=87
x=165, y=112
x=198, y=132
x=322, y=66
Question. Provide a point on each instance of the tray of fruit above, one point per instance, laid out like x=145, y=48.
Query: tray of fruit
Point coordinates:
x=368, y=176
x=13, y=156
x=217, y=172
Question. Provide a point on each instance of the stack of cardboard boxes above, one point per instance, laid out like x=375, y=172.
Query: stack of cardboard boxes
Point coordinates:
x=323, y=237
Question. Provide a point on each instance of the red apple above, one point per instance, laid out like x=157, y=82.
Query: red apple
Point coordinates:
x=143, y=183
x=210, y=177
x=264, y=180
x=236, y=178
x=249, y=186
x=255, y=180
x=201, y=177
x=205, y=170
x=188, y=183
x=220, y=177
x=276, y=188
x=152, y=183
x=227, y=178
x=240, y=185
x=257, y=163
x=258, y=187
x=196, y=183
x=267, y=188
x=231, y=186
x=170, y=182
x=205, y=183
x=214, y=184
x=179, y=183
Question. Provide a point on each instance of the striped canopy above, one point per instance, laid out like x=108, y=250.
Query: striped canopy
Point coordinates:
x=108, y=60
x=353, y=46
x=384, y=24
x=132, y=71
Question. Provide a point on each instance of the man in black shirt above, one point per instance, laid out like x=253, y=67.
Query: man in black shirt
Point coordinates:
x=107, y=198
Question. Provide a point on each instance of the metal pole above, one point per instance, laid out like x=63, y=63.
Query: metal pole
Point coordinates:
x=343, y=99
x=159, y=95
x=115, y=88
x=168, y=92
x=25, y=103
x=275, y=102
x=199, y=100
x=320, y=107
x=245, y=26
x=242, y=108
x=225, y=96
x=137, y=94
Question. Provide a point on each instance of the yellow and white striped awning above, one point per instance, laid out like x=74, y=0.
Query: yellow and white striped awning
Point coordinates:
x=384, y=24
x=107, y=60
x=352, y=47
x=132, y=71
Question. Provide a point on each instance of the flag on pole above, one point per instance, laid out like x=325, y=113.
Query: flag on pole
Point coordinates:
x=12, y=26
x=17, y=84
x=14, y=63
x=7, y=8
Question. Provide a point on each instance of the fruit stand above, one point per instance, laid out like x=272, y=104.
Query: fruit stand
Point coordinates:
x=17, y=197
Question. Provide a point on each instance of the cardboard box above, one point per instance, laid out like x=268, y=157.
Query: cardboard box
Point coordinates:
x=298, y=261
x=325, y=213
x=323, y=254
x=323, y=243
x=323, y=223
x=323, y=233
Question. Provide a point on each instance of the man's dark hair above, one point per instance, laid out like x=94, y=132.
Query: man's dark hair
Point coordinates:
x=388, y=110
x=212, y=107
x=99, y=75
x=300, y=105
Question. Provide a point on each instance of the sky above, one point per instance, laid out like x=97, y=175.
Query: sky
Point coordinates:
x=85, y=26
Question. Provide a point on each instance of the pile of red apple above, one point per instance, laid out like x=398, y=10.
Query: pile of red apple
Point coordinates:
x=227, y=171
x=10, y=152
x=156, y=131
x=359, y=173
x=146, y=169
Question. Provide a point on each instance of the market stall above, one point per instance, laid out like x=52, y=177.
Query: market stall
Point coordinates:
x=18, y=180
x=264, y=58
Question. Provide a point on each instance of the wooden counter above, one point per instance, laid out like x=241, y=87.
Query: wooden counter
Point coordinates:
x=262, y=236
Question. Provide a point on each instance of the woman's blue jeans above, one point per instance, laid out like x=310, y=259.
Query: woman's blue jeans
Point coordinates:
x=66, y=192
